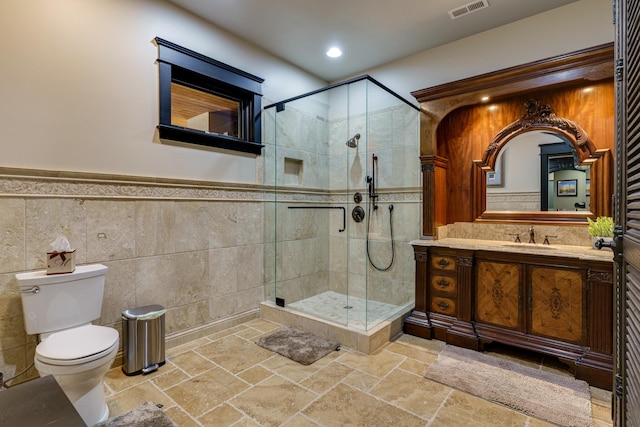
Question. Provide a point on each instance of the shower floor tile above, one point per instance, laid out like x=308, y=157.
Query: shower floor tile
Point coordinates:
x=346, y=310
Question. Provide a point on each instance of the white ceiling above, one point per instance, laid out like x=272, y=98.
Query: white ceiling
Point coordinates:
x=369, y=32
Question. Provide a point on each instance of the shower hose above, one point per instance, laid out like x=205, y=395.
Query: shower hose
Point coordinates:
x=393, y=248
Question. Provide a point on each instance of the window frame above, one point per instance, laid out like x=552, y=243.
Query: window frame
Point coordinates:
x=188, y=68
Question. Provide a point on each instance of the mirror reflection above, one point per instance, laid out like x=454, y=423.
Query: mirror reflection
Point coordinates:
x=538, y=171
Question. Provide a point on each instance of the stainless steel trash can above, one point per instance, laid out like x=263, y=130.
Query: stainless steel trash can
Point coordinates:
x=143, y=339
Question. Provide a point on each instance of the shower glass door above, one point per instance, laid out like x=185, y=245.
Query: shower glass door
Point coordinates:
x=330, y=183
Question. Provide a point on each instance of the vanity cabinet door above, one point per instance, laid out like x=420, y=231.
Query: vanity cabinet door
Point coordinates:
x=498, y=293
x=557, y=306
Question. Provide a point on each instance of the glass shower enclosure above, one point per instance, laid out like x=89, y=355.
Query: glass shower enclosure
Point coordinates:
x=342, y=175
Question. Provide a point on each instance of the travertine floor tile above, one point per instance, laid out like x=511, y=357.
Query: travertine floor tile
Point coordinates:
x=412, y=352
x=534, y=422
x=346, y=404
x=170, y=352
x=262, y=325
x=206, y=391
x=246, y=422
x=327, y=377
x=361, y=381
x=434, y=346
x=415, y=367
x=116, y=380
x=379, y=364
x=192, y=363
x=234, y=354
x=601, y=413
x=255, y=374
x=289, y=368
x=180, y=417
x=225, y=379
x=273, y=400
x=299, y=420
x=223, y=415
x=461, y=409
x=135, y=396
x=411, y=392
x=169, y=378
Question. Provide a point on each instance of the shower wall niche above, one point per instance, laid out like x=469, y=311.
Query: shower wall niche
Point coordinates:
x=320, y=151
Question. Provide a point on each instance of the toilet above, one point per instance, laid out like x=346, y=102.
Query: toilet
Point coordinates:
x=60, y=309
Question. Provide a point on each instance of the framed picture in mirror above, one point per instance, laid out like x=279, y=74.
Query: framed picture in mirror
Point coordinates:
x=567, y=187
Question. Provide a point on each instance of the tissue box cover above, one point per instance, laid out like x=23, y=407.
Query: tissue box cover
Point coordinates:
x=61, y=262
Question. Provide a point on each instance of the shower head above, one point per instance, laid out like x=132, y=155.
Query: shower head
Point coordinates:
x=353, y=142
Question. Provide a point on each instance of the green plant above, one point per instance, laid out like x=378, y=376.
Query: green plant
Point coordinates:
x=601, y=227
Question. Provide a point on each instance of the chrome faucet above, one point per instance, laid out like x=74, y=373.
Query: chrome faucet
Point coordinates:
x=532, y=235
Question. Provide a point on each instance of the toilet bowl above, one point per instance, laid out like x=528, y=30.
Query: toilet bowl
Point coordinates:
x=79, y=358
x=78, y=354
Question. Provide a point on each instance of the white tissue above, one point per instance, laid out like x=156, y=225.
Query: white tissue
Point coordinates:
x=61, y=244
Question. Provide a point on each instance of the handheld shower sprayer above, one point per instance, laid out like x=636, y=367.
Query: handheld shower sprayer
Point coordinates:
x=373, y=202
x=353, y=142
x=371, y=181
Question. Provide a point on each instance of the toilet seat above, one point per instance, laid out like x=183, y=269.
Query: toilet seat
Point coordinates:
x=77, y=345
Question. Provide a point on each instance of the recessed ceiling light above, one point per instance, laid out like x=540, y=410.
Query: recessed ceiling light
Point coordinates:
x=334, y=52
x=484, y=99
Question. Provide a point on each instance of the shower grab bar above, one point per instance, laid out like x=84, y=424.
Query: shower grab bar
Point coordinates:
x=344, y=212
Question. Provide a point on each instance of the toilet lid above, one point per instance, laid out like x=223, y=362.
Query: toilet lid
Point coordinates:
x=87, y=342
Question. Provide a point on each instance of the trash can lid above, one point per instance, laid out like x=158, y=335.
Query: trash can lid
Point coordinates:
x=146, y=311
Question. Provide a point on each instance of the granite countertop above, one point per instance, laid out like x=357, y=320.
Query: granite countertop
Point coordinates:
x=567, y=251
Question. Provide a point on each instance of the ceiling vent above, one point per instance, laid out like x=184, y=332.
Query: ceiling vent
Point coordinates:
x=468, y=8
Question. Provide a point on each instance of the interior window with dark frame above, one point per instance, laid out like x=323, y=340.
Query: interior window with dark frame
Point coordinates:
x=206, y=102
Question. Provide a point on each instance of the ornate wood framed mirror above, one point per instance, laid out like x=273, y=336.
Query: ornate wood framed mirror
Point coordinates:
x=574, y=180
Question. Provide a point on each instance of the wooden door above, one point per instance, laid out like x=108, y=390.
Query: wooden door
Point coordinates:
x=557, y=303
x=627, y=213
x=498, y=293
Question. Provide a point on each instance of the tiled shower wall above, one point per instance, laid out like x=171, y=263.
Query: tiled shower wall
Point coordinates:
x=194, y=248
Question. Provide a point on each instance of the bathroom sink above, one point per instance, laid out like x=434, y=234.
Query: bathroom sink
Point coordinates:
x=530, y=246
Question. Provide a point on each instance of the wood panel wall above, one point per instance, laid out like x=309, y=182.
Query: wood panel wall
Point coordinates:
x=456, y=126
x=464, y=134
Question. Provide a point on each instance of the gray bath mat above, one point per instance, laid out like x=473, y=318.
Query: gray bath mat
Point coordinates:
x=303, y=347
x=145, y=415
x=557, y=399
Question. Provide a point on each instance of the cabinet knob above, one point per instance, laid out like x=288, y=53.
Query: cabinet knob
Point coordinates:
x=443, y=262
x=442, y=283
x=443, y=305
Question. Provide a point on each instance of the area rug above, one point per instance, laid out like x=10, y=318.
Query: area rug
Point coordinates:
x=145, y=415
x=554, y=398
x=303, y=347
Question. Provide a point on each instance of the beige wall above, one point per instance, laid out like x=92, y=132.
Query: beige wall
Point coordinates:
x=82, y=81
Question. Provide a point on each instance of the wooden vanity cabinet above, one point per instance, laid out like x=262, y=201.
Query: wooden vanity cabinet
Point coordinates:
x=559, y=306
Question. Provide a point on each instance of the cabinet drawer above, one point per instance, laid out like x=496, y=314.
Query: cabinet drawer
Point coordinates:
x=443, y=283
x=443, y=262
x=443, y=306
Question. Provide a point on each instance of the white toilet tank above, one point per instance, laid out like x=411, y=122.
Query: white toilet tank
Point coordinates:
x=60, y=301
